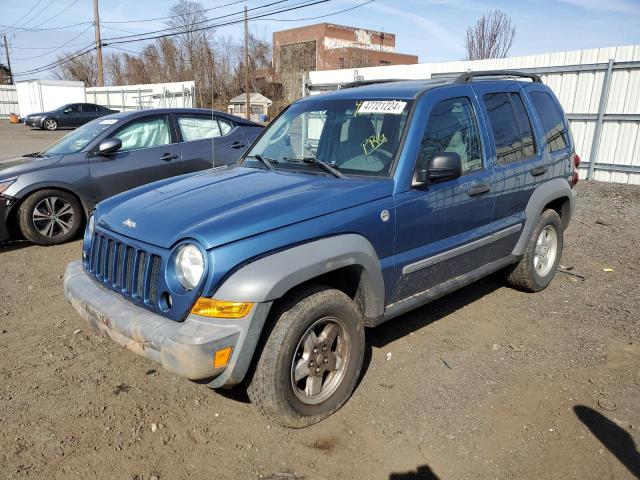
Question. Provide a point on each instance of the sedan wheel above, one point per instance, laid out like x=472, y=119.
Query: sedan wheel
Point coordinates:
x=49, y=217
x=50, y=124
x=53, y=217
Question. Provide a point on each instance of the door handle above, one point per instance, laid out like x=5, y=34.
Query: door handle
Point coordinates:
x=536, y=171
x=479, y=189
x=169, y=156
x=237, y=145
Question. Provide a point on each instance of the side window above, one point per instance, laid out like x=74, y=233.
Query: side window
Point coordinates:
x=75, y=108
x=88, y=107
x=524, y=122
x=452, y=127
x=144, y=133
x=555, y=134
x=225, y=126
x=511, y=127
x=198, y=128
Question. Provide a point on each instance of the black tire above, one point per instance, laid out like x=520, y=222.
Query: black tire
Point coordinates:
x=65, y=226
x=50, y=124
x=524, y=275
x=272, y=388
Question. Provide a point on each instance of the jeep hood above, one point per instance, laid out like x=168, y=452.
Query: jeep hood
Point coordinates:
x=224, y=205
x=13, y=167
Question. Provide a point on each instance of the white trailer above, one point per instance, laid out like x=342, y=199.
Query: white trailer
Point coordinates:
x=45, y=95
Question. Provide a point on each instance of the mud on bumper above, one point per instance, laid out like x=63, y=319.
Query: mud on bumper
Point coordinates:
x=185, y=348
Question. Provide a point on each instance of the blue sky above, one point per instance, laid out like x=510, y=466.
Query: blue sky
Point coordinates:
x=432, y=29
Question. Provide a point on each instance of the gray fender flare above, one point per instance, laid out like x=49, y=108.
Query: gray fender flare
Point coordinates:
x=270, y=277
x=545, y=193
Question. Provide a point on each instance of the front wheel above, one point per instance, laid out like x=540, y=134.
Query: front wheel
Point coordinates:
x=50, y=124
x=538, y=265
x=50, y=217
x=311, y=360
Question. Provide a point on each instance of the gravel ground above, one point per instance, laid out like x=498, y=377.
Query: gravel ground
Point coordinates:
x=485, y=383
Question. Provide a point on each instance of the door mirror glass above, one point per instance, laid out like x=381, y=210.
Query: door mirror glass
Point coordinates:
x=109, y=145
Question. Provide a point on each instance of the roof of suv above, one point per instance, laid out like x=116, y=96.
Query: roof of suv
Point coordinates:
x=409, y=89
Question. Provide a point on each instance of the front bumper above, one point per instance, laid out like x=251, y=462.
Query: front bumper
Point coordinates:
x=5, y=206
x=33, y=122
x=185, y=348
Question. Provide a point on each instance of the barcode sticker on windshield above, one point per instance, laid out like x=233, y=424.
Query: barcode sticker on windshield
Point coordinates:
x=393, y=107
x=108, y=121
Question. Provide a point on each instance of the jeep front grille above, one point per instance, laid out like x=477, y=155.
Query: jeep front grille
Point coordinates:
x=126, y=269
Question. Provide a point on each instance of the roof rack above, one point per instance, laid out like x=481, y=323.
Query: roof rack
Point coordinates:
x=361, y=83
x=469, y=76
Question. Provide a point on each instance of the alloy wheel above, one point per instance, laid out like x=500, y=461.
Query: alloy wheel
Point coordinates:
x=320, y=360
x=53, y=217
x=546, y=250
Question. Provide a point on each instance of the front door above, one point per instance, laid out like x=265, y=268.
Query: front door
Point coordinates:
x=71, y=116
x=149, y=152
x=443, y=228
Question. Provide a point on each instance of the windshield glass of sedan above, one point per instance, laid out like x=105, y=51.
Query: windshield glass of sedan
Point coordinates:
x=79, y=138
x=355, y=136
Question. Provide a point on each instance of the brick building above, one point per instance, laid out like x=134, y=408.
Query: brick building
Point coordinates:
x=327, y=46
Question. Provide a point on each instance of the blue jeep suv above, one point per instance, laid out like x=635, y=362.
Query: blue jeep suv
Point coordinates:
x=352, y=208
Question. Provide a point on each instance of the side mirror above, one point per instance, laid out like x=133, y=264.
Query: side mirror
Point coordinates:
x=109, y=145
x=443, y=166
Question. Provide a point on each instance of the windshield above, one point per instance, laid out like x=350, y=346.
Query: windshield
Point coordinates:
x=355, y=136
x=79, y=138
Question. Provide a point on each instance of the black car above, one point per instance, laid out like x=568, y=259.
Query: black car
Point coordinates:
x=70, y=115
x=44, y=197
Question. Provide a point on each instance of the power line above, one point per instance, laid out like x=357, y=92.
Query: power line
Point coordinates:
x=63, y=27
x=181, y=28
x=53, y=49
x=56, y=15
x=127, y=39
x=38, y=13
x=23, y=16
x=319, y=16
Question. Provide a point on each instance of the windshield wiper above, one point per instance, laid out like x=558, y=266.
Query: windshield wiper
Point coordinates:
x=268, y=162
x=324, y=165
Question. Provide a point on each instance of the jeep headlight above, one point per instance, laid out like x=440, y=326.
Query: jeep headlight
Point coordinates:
x=189, y=266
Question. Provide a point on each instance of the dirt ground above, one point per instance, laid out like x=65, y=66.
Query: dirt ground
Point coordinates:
x=485, y=383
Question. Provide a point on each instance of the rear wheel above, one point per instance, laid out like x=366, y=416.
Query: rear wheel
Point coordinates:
x=50, y=124
x=538, y=265
x=50, y=217
x=311, y=360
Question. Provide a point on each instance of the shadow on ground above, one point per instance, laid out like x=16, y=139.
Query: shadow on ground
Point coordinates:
x=423, y=472
x=616, y=439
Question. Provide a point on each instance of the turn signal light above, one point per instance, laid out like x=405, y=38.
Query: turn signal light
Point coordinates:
x=210, y=307
x=221, y=357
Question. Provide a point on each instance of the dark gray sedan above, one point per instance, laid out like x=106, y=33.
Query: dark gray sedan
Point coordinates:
x=70, y=115
x=44, y=197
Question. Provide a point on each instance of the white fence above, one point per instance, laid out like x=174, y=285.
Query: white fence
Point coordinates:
x=136, y=97
x=599, y=90
x=8, y=101
x=123, y=98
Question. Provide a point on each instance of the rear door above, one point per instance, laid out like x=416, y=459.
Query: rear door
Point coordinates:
x=149, y=152
x=442, y=229
x=517, y=158
x=88, y=112
x=208, y=141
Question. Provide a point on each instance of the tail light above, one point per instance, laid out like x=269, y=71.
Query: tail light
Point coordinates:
x=574, y=175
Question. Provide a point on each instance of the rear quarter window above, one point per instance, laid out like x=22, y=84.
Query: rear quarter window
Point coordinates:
x=555, y=132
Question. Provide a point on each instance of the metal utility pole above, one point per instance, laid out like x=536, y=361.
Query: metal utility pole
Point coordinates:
x=96, y=22
x=246, y=63
x=6, y=51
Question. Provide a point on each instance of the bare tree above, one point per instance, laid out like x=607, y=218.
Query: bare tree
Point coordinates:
x=491, y=36
x=81, y=68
